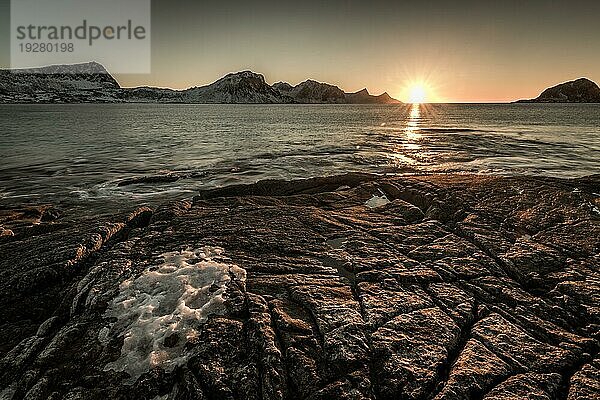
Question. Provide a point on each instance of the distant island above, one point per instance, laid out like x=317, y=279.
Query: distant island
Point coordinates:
x=581, y=90
x=92, y=83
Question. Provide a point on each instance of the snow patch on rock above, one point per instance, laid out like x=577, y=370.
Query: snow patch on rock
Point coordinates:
x=159, y=311
x=377, y=201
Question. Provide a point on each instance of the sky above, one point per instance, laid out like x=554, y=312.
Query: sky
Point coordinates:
x=460, y=51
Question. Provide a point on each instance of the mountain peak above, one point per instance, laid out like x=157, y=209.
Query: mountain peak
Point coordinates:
x=236, y=87
x=283, y=87
x=311, y=91
x=243, y=75
x=363, y=96
x=385, y=95
x=88, y=68
x=584, y=80
x=581, y=90
x=312, y=82
x=363, y=92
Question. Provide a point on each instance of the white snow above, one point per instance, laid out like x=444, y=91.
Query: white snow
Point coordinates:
x=173, y=298
x=377, y=201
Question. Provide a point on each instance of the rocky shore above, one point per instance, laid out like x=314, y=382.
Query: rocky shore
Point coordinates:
x=349, y=287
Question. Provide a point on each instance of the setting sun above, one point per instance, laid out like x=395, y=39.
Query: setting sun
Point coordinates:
x=417, y=94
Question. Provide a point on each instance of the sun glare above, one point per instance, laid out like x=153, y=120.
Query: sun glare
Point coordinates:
x=417, y=94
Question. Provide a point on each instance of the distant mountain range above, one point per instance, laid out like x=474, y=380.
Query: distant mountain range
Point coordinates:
x=581, y=90
x=92, y=83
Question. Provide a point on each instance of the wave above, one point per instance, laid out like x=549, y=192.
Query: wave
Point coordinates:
x=450, y=130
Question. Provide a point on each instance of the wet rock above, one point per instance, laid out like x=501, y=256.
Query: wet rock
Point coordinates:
x=585, y=384
x=475, y=371
x=6, y=232
x=520, y=349
x=461, y=287
x=537, y=386
x=411, y=349
x=26, y=219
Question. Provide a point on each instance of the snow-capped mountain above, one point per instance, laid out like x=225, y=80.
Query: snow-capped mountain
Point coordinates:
x=91, y=83
x=77, y=83
x=240, y=87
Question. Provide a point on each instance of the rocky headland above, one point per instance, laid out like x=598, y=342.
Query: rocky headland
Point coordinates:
x=349, y=287
x=581, y=90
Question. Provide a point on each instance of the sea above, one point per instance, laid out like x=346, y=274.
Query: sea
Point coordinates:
x=107, y=158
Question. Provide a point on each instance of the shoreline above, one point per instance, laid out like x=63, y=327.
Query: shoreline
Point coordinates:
x=351, y=286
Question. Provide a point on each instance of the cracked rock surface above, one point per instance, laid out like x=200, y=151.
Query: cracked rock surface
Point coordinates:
x=457, y=287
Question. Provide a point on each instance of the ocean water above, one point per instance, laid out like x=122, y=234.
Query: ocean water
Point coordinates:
x=81, y=156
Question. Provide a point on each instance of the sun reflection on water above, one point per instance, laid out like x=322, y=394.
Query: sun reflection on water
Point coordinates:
x=413, y=127
x=407, y=147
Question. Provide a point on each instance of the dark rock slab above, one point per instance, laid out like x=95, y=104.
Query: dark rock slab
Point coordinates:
x=530, y=385
x=584, y=383
x=458, y=287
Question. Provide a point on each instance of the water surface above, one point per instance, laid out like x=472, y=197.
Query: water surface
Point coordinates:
x=77, y=155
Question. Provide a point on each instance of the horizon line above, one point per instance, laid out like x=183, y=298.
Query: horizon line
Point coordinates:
x=394, y=97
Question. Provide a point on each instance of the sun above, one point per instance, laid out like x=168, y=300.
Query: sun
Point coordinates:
x=417, y=93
